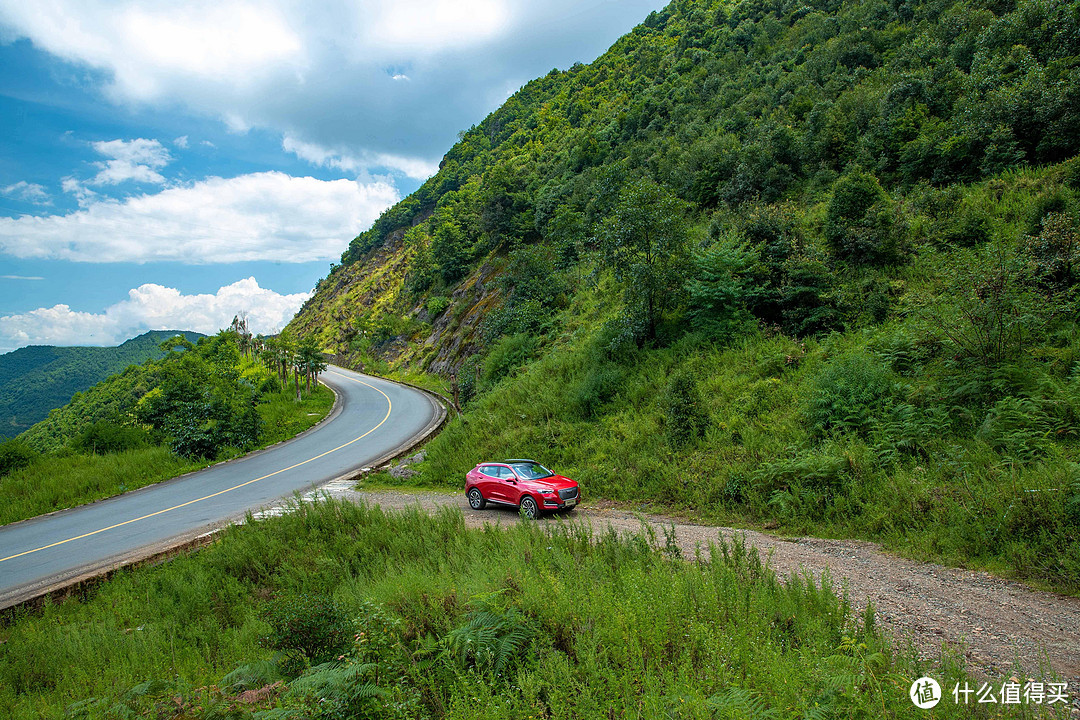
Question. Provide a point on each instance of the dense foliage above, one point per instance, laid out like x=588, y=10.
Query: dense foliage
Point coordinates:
x=36, y=379
x=856, y=225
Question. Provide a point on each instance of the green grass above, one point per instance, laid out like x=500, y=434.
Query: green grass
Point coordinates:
x=530, y=621
x=283, y=417
x=54, y=482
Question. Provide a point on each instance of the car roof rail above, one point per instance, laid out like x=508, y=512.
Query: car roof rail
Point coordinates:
x=517, y=460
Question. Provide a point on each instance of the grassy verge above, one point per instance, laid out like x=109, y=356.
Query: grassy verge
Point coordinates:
x=63, y=481
x=421, y=618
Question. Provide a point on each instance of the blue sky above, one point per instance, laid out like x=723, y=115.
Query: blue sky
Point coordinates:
x=167, y=165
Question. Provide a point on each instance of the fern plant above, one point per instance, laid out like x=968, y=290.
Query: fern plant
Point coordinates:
x=490, y=641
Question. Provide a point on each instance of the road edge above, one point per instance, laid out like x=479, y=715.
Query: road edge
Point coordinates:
x=81, y=582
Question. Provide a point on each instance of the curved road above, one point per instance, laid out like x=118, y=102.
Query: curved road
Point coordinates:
x=371, y=421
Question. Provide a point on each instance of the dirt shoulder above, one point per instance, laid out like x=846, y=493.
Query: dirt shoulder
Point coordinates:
x=1002, y=628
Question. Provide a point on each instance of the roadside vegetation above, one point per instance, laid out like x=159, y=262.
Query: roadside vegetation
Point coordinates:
x=338, y=610
x=199, y=404
x=39, y=378
x=811, y=267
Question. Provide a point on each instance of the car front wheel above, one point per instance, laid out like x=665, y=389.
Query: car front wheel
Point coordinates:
x=476, y=500
x=529, y=507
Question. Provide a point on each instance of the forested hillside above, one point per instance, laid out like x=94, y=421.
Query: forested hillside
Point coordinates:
x=804, y=265
x=36, y=379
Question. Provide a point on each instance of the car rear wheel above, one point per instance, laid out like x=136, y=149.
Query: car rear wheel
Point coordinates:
x=476, y=500
x=529, y=507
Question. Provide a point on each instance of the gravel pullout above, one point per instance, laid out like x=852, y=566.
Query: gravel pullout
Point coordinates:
x=1002, y=628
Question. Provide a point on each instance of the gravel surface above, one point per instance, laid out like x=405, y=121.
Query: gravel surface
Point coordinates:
x=1002, y=628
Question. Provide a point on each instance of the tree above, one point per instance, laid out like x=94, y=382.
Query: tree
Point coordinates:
x=644, y=242
x=311, y=361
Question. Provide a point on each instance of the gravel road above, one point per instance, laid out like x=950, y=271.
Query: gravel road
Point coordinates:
x=1002, y=628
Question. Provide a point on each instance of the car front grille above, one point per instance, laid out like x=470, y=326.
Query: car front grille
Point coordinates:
x=568, y=493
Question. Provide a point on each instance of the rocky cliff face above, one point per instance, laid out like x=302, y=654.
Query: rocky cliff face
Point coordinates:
x=364, y=312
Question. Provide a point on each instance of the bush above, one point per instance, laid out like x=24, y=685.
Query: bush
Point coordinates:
x=1050, y=202
x=685, y=414
x=14, y=455
x=859, y=223
x=307, y=629
x=598, y=387
x=436, y=305
x=721, y=288
x=105, y=437
x=467, y=379
x=970, y=227
x=1072, y=508
x=508, y=354
x=1017, y=427
x=848, y=394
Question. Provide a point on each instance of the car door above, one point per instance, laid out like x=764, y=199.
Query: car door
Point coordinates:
x=508, y=485
x=489, y=482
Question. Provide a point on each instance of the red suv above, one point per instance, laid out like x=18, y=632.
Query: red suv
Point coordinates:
x=524, y=484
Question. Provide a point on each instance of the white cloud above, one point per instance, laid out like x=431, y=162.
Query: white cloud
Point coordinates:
x=261, y=216
x=181, y=142
x=21, y=277
x=27, y=192
x=151, y=307
x=320, y=70
x=137, y=160
x=364, y=162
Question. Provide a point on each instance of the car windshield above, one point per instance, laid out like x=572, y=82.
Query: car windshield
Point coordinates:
x=531, y=471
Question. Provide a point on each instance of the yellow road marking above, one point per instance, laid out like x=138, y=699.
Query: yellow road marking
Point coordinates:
x=389, y=407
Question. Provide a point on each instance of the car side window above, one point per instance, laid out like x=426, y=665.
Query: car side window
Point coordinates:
x=506, y=473
x=489, y=470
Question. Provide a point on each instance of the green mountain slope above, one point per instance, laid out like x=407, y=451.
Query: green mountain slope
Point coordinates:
x=811, y=266
x=36, y=379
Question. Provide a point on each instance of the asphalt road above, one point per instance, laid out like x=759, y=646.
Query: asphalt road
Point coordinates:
x=372, y=419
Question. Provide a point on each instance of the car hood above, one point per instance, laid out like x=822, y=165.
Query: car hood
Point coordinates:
x=556, y=482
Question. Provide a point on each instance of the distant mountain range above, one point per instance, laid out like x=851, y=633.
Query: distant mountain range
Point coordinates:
x=38, y=378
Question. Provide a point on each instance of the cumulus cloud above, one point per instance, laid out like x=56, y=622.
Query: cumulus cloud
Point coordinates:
x=342, y=160
x=137, y=160
x=260, y=216
x=319, y=71
x=151, y=307
x=27, y=192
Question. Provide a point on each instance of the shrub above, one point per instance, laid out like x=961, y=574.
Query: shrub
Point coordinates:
x=847, y=395
x=1017, y=427
x=720, y=288
x=508, y=354
x=1052, y=201
x=307, y=629
x=467, y=379
x=1072, y=508
x=14, y=455
x=684, y=411
x=972, y=226
x=105, y=437
x=859, y=221
x=598, y=387
x=436, y=305
x=491, y=640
